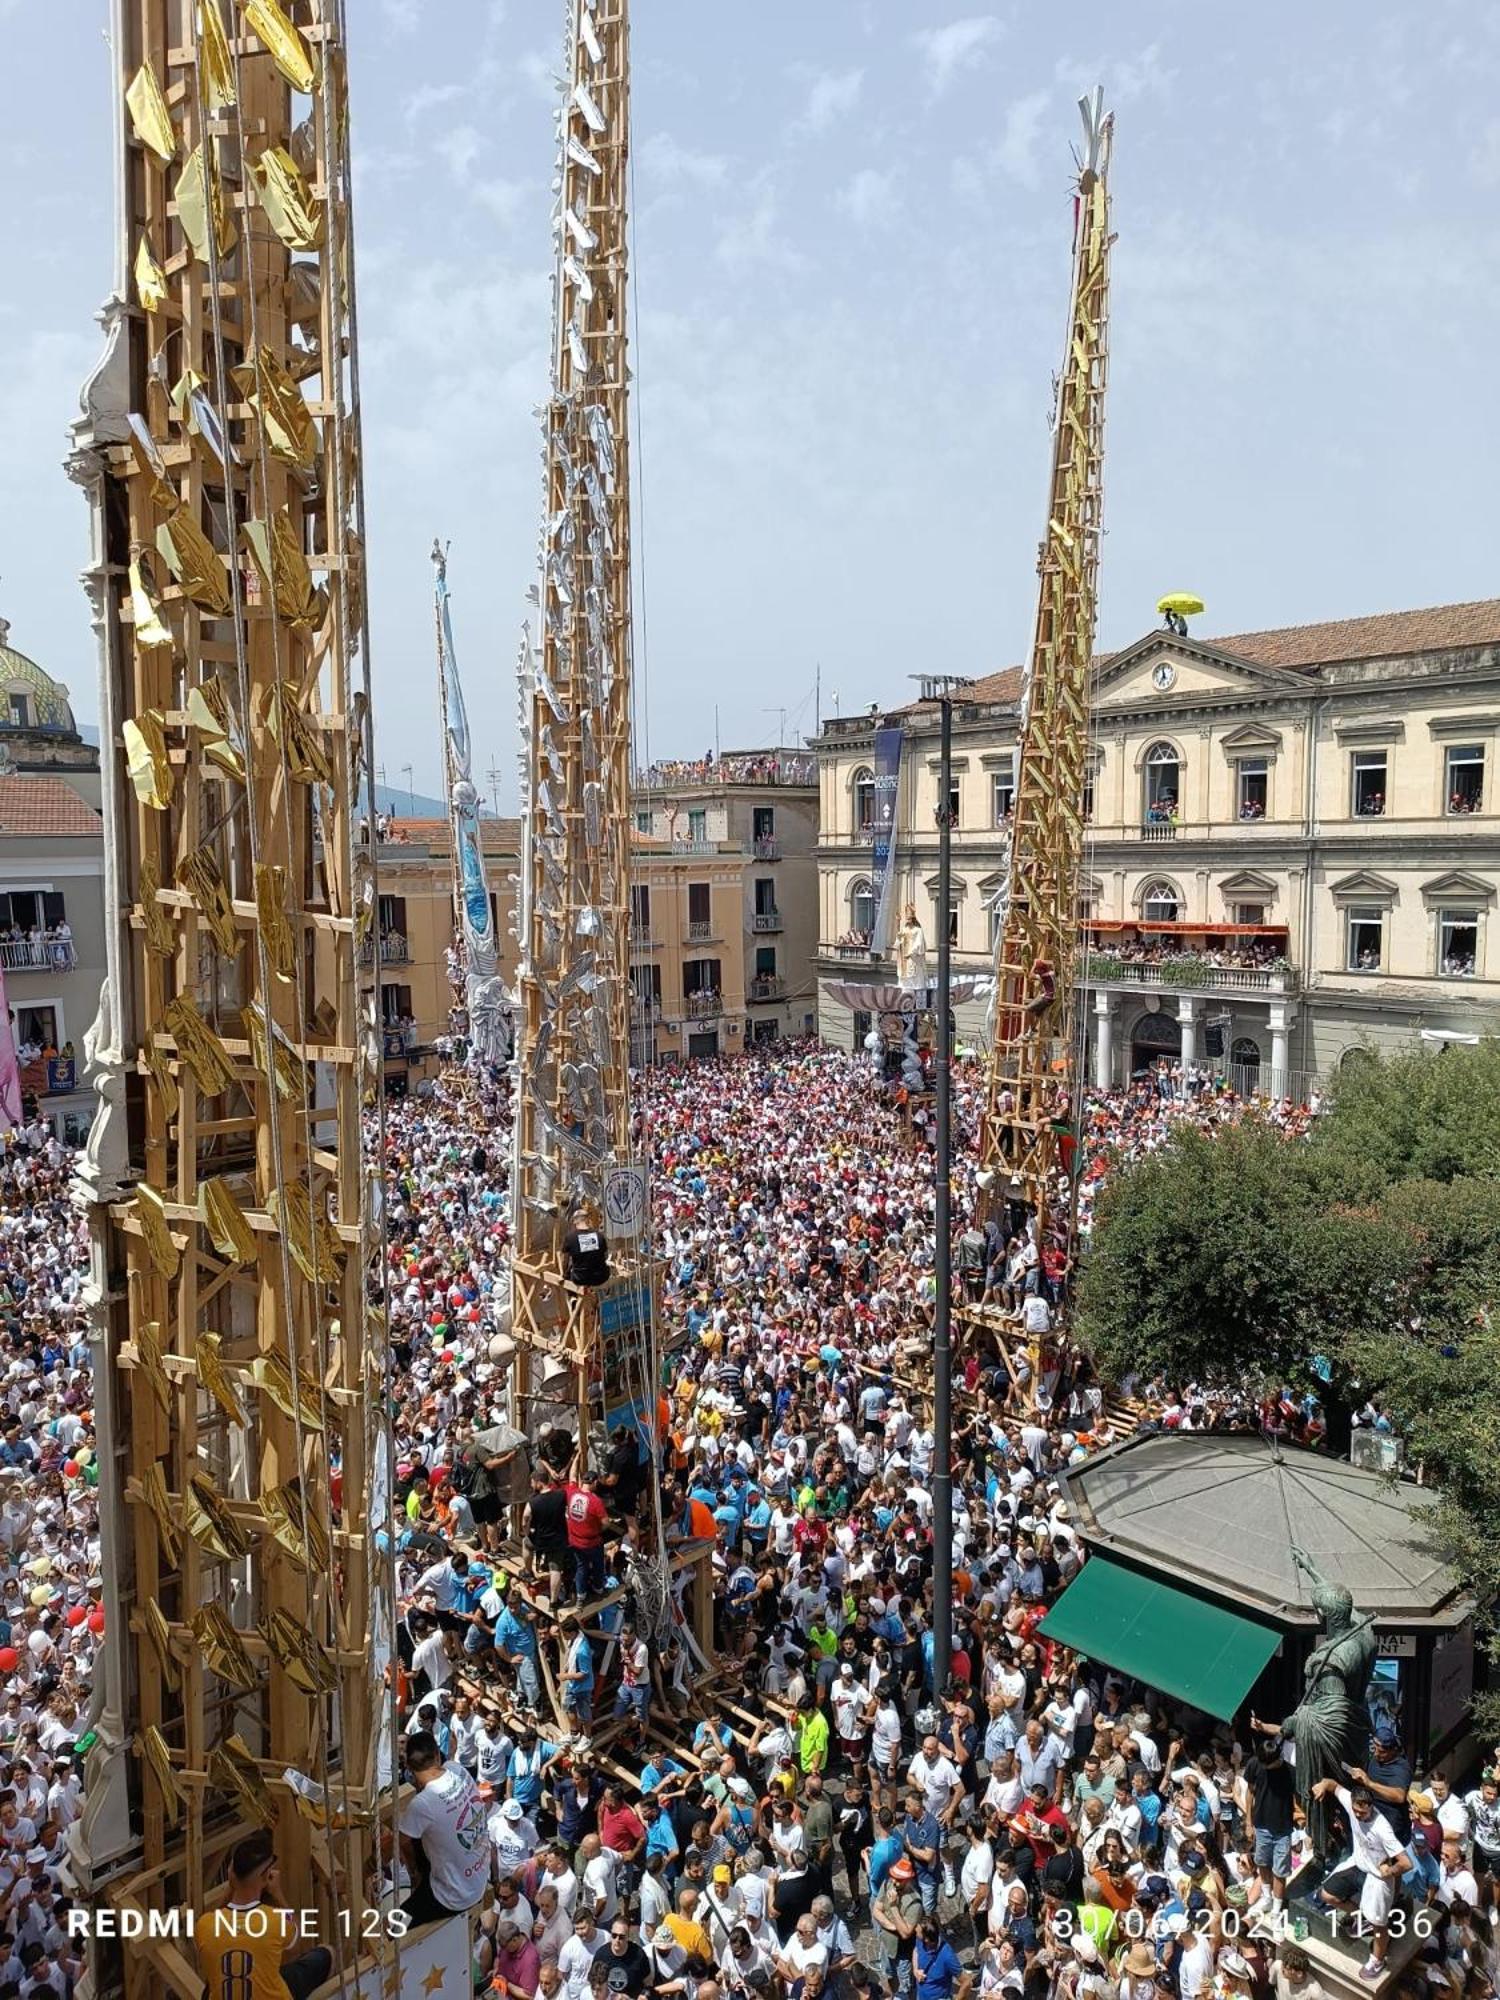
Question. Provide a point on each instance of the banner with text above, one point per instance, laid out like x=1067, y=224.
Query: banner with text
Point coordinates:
x=887, y=783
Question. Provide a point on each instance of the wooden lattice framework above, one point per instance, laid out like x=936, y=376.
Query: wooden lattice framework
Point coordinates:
x=1033, y=1076
x=236, y=1209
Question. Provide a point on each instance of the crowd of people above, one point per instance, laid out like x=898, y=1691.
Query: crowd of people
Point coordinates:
x=819, y=1817
x=761, y=767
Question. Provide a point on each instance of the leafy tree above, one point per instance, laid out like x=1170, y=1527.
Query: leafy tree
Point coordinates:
x=1417, y=1115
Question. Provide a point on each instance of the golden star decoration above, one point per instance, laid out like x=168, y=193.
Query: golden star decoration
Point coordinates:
x=433, y=1983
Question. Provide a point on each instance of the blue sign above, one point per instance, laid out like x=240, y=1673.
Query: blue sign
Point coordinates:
x=887, y=784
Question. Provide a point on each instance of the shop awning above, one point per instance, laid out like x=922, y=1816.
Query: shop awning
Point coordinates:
x=1199, y=1652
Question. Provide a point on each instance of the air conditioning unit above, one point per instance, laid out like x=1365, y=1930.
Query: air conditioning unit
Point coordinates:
x=670, y=1027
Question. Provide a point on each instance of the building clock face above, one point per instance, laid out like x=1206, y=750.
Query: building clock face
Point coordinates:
x=1163, y=675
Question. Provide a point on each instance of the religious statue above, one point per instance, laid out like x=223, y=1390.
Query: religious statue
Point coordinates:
x=1330, y=1726
x=911, y=953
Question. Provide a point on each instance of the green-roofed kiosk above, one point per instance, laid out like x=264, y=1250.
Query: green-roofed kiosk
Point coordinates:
x=1191, y=1588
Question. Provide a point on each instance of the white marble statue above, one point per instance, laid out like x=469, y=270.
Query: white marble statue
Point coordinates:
x=911, y=953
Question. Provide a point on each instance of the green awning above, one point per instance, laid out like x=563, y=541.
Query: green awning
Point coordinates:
x=1199, y=1652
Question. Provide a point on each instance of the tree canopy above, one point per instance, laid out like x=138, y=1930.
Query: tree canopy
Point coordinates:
x=1363, y=1261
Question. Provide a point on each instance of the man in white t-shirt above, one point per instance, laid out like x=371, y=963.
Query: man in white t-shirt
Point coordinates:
x=443, y=1826
x=1371, y=1870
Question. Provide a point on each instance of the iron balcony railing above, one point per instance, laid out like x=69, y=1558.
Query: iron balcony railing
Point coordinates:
x=43, y=955
x=766, y=920
x=767, y=849
x=767, y=986
x=394, y=950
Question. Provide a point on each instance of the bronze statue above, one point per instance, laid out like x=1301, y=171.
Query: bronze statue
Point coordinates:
x=1330, y=1726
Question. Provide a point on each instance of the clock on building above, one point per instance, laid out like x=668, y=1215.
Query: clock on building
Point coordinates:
x=1163, y=674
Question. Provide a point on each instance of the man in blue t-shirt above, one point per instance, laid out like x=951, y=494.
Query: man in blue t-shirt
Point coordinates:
x=934, y=1963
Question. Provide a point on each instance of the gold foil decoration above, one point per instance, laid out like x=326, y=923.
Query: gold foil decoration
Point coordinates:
x=232, y=1769
x=198, y=195
x=150, y=279
x=283, y=568
x=149, y=114
x=209, y=1520
x=214, y=62
x=201, y=876
x=277, y=401
x=215, y=1377
x=306, y=759
x=155, y=1751
x=150, y=464
x=193, y=561
x=226, y=1222
x=223, y=1648
x=284, y=1526
x=198, y=1046
x=157, y=1069
x=270, y=907
x=160, y=1248
x=295, y=1648
x=314, y=1246
x=291, y=1072
x=155, y=920
x=151, y=1491
x=148, y=1354
x=151, y=629
x=266, y=21
x=270, y=1372
x=208, y=713
x=157, y=1630
x=146, y=761
x=287, y=199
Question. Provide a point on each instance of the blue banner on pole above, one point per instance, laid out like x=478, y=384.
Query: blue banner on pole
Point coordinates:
x=887, y=783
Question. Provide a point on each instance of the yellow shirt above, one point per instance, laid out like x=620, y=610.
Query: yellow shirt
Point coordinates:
x=239, y=1951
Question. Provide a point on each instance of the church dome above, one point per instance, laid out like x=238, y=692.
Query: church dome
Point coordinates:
x=30, y=699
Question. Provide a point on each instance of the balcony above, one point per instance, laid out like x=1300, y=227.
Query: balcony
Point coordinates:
x=1158, y=829
x=766, y=986
x=702, y=1006
x=642, y=940
x=644, y=1007
x=701, y=932
x=46, y=954
x=1188, y=972
x=394, y=950
x=768, y=849
x=766, y=921
x=705, y=847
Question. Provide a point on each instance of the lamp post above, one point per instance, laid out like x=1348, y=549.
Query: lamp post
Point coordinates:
x=941, y=688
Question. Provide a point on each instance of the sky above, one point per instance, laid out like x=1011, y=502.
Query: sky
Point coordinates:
x=851, y=260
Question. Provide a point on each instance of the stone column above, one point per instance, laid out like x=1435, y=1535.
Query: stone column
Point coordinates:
x=1280, y=1050
x=1104, y=1047
x=1187, y=1015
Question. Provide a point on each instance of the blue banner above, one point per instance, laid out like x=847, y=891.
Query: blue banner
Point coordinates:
x=887, y=783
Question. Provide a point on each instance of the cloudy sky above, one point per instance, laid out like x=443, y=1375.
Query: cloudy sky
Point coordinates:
x=852, y=234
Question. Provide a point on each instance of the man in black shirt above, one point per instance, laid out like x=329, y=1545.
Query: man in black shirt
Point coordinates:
x=624, y=1960
x=585, y=1259
x=1272, y=1788
x=1063, y=1870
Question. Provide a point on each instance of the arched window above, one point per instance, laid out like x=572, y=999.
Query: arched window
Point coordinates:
x=1244, y=1057
x=862, y=908
x=1163, y=783
x=1159, y=905
x=864, y=801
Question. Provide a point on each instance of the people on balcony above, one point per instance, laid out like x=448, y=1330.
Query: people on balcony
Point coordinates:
x=1371, y=805
x=1252, y=808
x=779, y=769
x=1247, y=955
x=1464, y=802
x=43, y=945
x=1162, y=812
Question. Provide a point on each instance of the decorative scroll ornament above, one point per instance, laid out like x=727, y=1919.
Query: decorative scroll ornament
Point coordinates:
x=287, y=200
x=198, y=1046
x=265, y=19
x=150, y=279
x=203, y=879
x=149, y=115
x=215, y=1377
x=154, y=1749
x=227, y=1224
x=146, y=760
x=160, y=1246
x=223, y=1649
x=199, y=195
x=276, y=932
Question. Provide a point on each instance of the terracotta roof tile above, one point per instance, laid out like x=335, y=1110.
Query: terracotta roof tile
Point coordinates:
x=46, y=805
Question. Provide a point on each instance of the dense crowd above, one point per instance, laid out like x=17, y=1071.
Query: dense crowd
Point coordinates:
x=834, y=1822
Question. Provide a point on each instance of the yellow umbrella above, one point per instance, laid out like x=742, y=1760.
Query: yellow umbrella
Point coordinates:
x=1182, y=602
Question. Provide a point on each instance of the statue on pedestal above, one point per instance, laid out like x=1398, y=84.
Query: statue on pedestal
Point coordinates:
x=1330, y=1726
x=911, y=953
